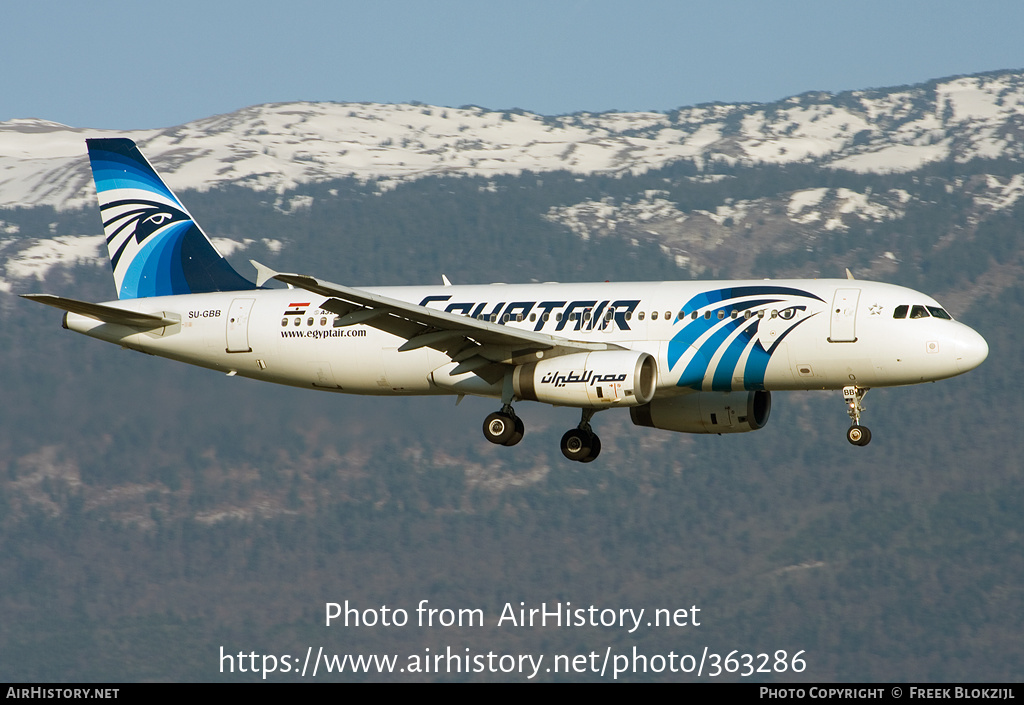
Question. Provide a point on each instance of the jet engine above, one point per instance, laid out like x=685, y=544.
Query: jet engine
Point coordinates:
x=596, y=379
x=706, y=412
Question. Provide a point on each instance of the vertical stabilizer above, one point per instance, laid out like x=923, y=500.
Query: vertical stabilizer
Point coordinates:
x=156, y=248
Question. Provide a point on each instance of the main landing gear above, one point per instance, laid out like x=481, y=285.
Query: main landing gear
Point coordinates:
x=581, y=443
x=857, y=435
x=503, y=427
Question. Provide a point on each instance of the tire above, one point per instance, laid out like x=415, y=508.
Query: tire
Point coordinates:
x=595, y=449
x=576, y=444
x=517, y=434
x=858, y=435
x=499, y=428
x=867, y=436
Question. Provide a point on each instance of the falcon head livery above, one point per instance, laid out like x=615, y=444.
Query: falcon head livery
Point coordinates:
x=733, y=323
x=692, y=357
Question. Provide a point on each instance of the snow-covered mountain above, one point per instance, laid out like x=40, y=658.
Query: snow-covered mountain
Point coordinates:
x=281, y=146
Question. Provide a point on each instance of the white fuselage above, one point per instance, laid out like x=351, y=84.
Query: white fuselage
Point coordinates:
x=731, y=336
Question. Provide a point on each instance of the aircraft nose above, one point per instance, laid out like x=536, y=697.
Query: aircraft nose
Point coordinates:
x=971, y=349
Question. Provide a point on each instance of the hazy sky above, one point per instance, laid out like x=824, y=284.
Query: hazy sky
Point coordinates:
x=120, y=65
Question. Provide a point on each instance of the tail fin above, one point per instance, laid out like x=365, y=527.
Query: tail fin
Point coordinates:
x=156, y=248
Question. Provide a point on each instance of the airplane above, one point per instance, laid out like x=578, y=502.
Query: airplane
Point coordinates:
x=684, y=356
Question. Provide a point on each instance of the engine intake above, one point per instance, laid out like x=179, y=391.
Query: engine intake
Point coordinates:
x=706, y=412
x=605, y=378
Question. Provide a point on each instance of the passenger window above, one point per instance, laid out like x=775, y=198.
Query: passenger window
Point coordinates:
x=919, y=312
x=309, y=321
x=284, y=321
x=939, y=313
x=707, y=315
x=297, y=321
x=323, y=320
x=641, y=316
x=721, y=315
x=900, y=312
x=668, y=315
x=533, y=317
x=734, y=314
x=629, y=315
x=682, y=315
x=654, y=315
x=693, y=316
x=746, y=314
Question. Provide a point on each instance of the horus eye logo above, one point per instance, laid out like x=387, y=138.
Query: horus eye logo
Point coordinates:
x=153, y=219
x=158, y=219
x=127, y=220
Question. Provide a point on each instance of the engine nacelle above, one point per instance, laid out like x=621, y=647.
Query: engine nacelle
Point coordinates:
x=706, y=412
x=605, y=378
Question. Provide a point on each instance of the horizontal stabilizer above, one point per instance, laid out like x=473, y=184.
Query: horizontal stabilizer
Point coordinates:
x=107, y=314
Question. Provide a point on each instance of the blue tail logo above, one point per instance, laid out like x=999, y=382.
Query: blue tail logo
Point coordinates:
x=155, y=246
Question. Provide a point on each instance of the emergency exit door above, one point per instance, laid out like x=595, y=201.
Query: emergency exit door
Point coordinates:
x=238, y=325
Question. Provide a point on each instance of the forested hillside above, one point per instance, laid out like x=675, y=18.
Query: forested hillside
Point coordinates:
x=151, y=513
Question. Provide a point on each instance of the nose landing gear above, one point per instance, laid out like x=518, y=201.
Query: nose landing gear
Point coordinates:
x=857, y=435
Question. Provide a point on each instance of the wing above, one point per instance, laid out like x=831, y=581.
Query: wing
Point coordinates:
x=473, y=343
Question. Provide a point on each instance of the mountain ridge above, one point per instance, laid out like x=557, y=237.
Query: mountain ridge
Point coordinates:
x=281, y=146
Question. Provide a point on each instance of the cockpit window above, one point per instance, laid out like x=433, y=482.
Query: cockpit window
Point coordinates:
x=939, y=313
x=900, y=312
x=919, y=312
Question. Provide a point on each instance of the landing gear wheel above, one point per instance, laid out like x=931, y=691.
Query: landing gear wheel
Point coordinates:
x=858, y=435
x=500, y=428
x=517, y=434
x=577, y=444
x=595, y=449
